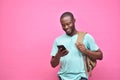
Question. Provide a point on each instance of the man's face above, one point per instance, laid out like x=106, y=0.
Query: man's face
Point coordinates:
x=68, y=25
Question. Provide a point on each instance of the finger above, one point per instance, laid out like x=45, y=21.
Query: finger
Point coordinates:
x=77, y=44
x=80, y=44
x=65, y=51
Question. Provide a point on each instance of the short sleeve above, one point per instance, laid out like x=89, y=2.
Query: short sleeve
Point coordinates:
x=54, y=49
x=91, y=44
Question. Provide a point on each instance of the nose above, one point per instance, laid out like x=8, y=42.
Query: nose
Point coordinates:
x=66, y=26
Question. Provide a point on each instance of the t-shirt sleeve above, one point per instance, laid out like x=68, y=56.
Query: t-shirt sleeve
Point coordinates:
x=91, y=44
x=54, y=49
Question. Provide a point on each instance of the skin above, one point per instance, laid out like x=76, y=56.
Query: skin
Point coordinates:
x=68, y=25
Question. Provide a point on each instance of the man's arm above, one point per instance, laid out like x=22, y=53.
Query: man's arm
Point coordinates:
x=92, y=54
x=56, y=59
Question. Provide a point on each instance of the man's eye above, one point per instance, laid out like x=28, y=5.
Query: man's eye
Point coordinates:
x=69, y=24
x=63, y=25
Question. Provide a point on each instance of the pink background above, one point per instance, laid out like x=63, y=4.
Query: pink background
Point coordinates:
x=29, y=27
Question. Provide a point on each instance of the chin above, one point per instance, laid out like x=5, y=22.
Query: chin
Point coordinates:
x=68, y=33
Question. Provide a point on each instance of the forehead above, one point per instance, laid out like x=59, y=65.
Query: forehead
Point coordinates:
x=66, y=19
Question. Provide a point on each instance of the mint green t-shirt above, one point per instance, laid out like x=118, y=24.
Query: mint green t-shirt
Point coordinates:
x=72, y=64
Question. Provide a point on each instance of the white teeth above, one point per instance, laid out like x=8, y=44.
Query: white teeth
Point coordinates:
x=68, y=30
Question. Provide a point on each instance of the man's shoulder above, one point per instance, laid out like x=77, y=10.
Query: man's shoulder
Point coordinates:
x=60, y=37
x=87, y=34
x=88, y=37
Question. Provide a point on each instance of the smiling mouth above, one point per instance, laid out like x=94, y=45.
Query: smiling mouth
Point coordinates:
x=68, y=31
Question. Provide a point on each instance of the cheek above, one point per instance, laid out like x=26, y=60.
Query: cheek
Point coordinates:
x=71, y=25
x=63, y=28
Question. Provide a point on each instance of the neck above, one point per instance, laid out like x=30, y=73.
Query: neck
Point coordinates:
x=75, y=32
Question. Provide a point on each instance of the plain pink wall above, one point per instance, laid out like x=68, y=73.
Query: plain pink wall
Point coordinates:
x=29, y=27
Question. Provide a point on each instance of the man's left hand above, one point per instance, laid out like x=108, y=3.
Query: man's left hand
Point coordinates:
x=81, y=47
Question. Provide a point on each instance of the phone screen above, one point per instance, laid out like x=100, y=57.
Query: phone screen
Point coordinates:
x=61, y=46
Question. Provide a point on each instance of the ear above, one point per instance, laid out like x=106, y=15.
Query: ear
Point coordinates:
x=74, y=20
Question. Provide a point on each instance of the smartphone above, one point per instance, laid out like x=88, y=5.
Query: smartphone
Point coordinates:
x=61, y=46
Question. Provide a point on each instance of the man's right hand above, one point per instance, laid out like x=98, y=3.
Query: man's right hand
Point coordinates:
x=61, y=52
x=56, y=59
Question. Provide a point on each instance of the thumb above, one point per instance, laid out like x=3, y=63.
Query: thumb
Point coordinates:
x=77, y=44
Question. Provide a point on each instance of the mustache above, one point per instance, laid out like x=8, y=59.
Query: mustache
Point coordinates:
x=65, y=29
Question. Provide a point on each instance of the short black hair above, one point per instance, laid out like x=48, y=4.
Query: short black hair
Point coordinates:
x=67, y=14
